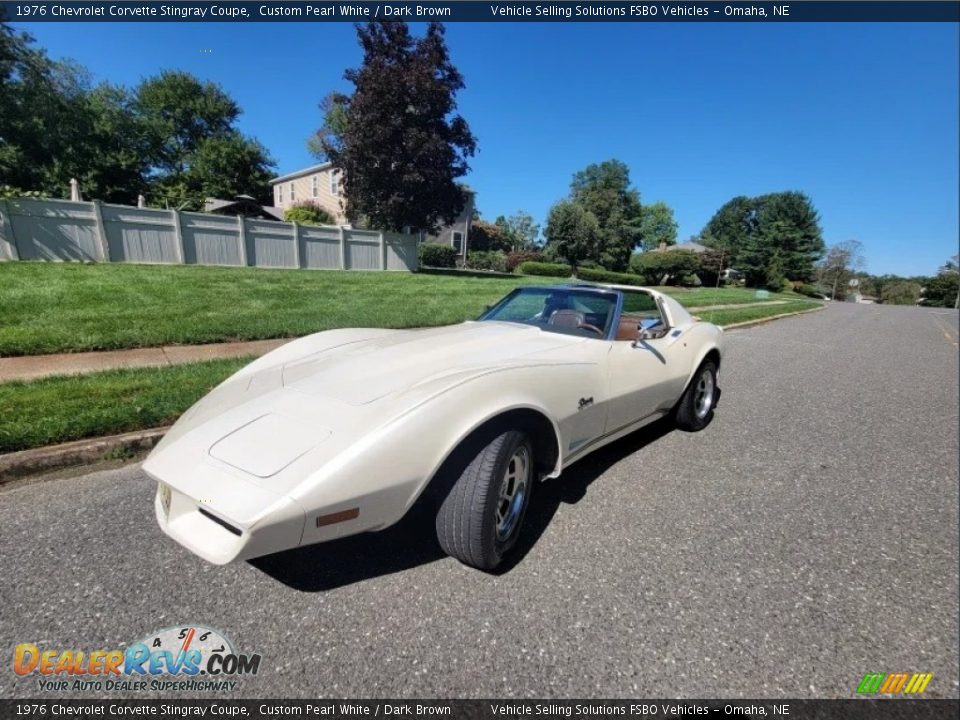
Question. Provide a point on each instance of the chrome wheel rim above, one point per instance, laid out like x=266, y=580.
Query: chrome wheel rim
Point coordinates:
x=513, y=492
x=703, y=396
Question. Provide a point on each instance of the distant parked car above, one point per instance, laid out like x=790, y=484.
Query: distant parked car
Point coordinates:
x=340, y=432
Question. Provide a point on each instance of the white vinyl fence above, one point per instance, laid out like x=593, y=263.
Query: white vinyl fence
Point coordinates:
x=65, y=230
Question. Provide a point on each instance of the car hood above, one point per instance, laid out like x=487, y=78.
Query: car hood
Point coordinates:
x=364, y=372
x=308, y=402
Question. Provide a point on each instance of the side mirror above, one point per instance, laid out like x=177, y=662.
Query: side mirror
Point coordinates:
x=650, y=334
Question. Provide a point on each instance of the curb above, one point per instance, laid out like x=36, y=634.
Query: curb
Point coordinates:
x=81, y=452
x=761, y=321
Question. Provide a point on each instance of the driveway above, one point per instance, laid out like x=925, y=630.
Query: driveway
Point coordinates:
x=808, y=536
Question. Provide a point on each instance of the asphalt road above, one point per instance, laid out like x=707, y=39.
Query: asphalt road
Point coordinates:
x=808, y=536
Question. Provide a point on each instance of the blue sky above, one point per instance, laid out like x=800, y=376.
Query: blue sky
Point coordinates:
x=861, y=117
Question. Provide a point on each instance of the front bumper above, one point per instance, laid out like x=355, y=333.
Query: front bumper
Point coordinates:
x=200, y=528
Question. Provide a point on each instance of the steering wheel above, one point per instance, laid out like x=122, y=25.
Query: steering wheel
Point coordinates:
x=592, y=328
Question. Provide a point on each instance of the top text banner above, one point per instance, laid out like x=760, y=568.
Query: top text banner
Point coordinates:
x=470, y=11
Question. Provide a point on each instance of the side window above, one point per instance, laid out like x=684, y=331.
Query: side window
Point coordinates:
x=458, y=241
x=293, y=193
x=640, y=312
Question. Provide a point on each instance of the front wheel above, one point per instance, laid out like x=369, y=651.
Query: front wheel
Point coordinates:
x=479, y=520
x=695, y=409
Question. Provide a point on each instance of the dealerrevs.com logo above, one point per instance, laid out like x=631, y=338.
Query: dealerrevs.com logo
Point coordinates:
x=185, y=658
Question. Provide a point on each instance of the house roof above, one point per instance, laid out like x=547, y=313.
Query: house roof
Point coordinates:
x=213, y=205
x=300, y=173
x=691, y=246
x=324, y=166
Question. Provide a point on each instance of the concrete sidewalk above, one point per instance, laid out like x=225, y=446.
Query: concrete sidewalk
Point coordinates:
x=32, y=367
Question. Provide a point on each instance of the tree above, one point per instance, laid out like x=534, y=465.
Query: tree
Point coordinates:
x=196, y=150
x=603, y=189
x=841, y=263
x=333, y=109
x=43, y=116
x=174, y=137
x=661, y=268
x=944, y=289
x=768, y=238
x=399, y=143
x=573, y=233
x=658, y=226
x=486, y=236
x=113, y=159
x=520, y=230
x=899, y=293
x=730, y=227
x=230, y=165
x=712, y=264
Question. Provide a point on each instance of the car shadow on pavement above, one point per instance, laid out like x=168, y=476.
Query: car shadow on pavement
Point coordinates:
x=412, y=541
x=571, y=487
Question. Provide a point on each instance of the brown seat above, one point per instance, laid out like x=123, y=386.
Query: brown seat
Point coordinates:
x=627, y=329
x=567, y=318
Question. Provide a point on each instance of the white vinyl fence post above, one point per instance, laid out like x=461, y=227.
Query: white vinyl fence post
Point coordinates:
x=343, y=249
x=383, y=252
x=242, y=240
x=101, y=232
x=296, y=244
x=178, y=232
x=7, y=237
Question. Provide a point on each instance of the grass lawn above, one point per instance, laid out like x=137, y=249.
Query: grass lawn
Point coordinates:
x=70, y=307
x=66, y=307
x=701, y=297
x=736, y=315
x=59, y=409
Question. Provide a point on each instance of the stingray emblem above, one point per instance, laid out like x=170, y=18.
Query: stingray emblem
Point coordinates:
x=584, y=402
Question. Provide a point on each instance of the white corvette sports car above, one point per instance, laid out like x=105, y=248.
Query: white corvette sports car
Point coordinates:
x=340, y=432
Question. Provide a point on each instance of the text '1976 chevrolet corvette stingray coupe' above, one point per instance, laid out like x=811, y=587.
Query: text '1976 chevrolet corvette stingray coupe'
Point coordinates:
x=341, y=432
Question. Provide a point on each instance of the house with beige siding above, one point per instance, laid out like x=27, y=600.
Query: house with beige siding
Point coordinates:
x=321, y=186
x=317, y=184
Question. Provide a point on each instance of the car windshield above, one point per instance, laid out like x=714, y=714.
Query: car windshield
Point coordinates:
x=570, y=311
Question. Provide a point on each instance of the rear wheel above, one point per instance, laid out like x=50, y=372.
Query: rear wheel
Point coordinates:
x=479, y=520
x=695, y=409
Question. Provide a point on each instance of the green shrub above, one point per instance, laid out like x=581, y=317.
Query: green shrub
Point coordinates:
x=901, y=293
x=545, y=269
x=809, y=291
x=669, y=266
x=9, y=191
x=522, y=256
x=307, y=213
x=691, y=280
x=441, y=256
x=608, y=276
x=487, y=260
x=941, y=291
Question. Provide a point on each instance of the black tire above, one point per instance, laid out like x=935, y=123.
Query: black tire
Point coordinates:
x=468, y=524
x=690, y=413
